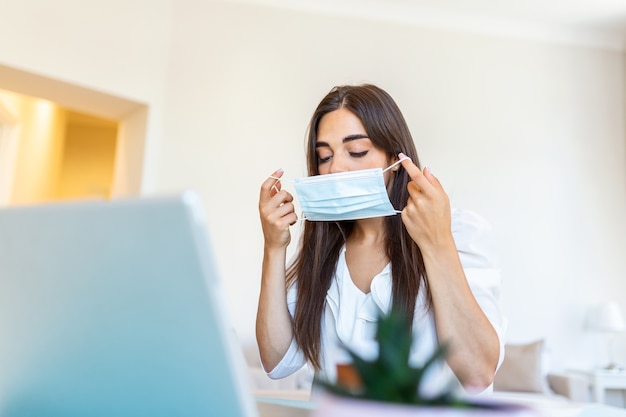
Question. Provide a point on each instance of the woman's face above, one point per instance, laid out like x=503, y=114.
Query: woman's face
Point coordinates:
x=343, y=145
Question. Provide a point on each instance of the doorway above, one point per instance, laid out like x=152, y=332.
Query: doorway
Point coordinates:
x=61, y=141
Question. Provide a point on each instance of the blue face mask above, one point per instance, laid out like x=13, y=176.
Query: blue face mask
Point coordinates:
x=350, y=195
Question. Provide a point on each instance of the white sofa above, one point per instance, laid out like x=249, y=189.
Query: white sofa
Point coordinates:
x=524, y=373
x=523, y=379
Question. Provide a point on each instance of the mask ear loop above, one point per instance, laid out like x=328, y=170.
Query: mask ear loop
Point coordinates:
x=398, y=162
x=277, y=180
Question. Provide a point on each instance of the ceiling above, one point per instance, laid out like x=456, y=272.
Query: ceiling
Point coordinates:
x=593, y=22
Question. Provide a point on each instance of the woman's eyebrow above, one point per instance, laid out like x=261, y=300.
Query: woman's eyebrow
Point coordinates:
x=354, y=137
x=346, y=139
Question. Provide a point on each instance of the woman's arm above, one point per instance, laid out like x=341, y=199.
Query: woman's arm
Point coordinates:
x=473, y=342
x=273, y=322
x=474, y=346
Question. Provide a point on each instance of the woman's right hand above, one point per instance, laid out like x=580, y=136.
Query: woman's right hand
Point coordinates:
x=277, y=212
x=273, y=321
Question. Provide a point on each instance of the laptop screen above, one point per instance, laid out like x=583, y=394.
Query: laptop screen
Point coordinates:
x=113, y=309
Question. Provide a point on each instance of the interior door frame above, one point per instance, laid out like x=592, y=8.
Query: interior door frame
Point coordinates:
x=132, y=117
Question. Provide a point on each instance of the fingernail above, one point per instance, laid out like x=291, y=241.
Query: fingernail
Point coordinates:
x=402, y=157
x=427, y=169
x=279, y=171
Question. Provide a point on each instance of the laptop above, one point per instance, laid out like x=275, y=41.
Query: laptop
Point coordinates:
x=113, y=308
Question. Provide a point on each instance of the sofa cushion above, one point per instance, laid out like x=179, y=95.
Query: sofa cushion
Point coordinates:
x=522, y=369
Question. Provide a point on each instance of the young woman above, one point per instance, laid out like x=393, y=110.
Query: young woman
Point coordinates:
x=431, y=262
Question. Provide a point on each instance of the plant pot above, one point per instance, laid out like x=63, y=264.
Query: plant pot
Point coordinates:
x=329, y=405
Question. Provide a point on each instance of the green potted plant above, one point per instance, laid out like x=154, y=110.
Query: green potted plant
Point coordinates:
x=389, y=385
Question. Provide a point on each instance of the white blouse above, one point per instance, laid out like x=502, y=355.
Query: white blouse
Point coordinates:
x=350, y=315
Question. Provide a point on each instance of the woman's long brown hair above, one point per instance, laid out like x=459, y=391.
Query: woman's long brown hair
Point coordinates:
x=315, y=264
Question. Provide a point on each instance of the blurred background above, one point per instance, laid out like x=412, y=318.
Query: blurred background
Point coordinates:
x=517, y=107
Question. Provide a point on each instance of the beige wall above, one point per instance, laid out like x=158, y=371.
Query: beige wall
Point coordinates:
x=529, y=133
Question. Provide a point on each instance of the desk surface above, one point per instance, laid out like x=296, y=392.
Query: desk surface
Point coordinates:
x=289, y=408
x=278, y=408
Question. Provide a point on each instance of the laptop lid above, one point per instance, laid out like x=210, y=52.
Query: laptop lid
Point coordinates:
x=114, y=309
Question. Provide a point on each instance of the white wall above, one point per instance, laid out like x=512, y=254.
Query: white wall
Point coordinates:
x=530, y=134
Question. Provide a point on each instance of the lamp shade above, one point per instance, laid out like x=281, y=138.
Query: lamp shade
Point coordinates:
x=606, y=317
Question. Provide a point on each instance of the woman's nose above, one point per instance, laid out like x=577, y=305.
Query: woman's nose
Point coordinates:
x=340, y=162
x=337, y=164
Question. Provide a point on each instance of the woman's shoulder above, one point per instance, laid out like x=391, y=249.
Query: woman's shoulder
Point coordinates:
x=463, y=219
x=473, y=236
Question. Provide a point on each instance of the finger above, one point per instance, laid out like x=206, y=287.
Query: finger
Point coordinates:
x=282, y=217
x=275, y=188
x=271, y=186
x=408, y=165
x=414, y=172
x=428, y=174
x=273, y=208
x=285, y=210
x=282, y=198
x=413, y=189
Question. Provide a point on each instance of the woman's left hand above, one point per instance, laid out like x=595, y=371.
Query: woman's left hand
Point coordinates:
x=427, y=213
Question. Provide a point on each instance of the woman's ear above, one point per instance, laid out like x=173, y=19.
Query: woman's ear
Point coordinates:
x=392, y=160
x=397, y=167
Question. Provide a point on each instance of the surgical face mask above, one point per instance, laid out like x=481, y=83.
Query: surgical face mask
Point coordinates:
x=350, y=195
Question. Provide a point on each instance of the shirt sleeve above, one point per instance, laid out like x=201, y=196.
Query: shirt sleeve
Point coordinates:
x=476, y=248
x=294, y=358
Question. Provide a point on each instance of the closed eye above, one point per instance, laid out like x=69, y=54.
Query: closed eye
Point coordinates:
x=322, y=160
x=359, y=154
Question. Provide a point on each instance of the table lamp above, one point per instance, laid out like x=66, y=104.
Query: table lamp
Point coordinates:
x=607, y=318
